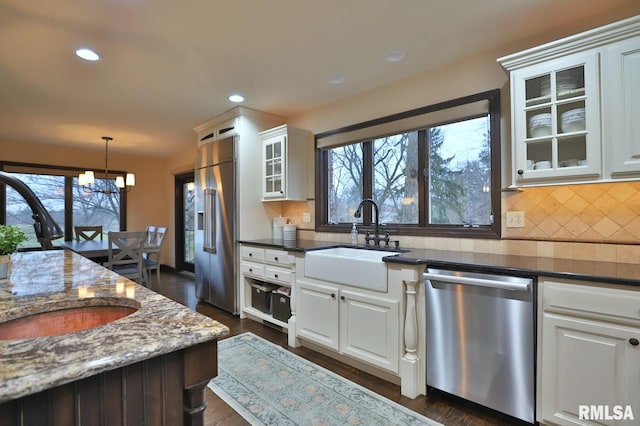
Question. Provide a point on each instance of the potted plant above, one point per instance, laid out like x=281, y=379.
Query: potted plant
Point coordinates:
x=10, y=237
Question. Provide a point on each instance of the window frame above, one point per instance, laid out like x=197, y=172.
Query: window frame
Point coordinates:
x=68, y=191
x=422, y=228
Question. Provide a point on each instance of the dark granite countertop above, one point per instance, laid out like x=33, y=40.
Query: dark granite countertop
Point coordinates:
x=62, y=279
x=604, y=272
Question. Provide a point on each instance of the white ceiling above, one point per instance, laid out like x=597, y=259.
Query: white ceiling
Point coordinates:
x=169, y=65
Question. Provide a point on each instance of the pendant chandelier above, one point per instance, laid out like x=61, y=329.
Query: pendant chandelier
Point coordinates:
x=87, y=179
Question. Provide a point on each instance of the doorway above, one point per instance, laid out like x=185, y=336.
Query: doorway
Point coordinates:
x=185, y=208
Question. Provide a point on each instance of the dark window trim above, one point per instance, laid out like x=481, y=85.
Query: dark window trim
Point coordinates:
x=492, y=231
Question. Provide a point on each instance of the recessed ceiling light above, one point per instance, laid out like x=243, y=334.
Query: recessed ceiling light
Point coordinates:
x=236, y=98
x=87, y=54
x=336, y=79
x=395, y=56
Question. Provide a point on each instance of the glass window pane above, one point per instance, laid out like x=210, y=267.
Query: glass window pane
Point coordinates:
x=189, y=227
x=460, y=173
x=94, y=208
x=395, y=177
x=49, y=189
x=345, y=182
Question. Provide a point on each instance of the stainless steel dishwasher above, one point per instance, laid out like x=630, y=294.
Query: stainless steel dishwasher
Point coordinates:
x=481, y=339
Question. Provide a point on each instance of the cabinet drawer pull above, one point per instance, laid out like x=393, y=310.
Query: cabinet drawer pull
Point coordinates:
x=250, y=254
x=276, y=258
x=275, y=275
x=634, y=341
x=250, y=269
x=333, y=295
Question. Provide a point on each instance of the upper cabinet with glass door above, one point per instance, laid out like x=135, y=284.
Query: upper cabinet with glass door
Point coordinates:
x=558, y=113
x=287, y=153
x=556, y=119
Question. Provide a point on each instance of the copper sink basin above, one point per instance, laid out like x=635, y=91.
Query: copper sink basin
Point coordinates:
x=65, y=317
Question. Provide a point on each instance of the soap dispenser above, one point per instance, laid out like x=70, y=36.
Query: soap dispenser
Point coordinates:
x=354, y=234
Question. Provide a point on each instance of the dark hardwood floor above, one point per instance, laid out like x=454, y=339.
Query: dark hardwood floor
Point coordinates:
x=442, y=408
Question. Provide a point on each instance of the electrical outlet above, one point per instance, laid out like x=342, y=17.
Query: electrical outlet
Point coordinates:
x=306, y=217
x=515, y=219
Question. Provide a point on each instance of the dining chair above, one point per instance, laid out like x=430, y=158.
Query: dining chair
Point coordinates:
x=125, y=254
x=152, y=250
x=88, y=232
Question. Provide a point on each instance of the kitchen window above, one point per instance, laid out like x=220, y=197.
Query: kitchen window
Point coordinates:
x=432, y=171
x=67, y=202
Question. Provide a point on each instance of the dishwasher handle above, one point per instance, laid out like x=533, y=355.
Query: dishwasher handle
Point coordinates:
x=480, y=282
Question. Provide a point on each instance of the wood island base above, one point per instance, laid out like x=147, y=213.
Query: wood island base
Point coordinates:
x=165, y=390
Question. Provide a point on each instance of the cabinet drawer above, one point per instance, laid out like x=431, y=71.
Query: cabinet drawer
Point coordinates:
x=252, y=253
x=592, y=301
x=252, y=269
x=282, y=275
x=278, y=257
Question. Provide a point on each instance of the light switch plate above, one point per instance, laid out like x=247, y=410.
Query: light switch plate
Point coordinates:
x=306, y=217
x=515, y=219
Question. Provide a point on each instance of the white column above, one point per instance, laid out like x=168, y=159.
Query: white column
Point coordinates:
x=410, y=370
x=291, y=336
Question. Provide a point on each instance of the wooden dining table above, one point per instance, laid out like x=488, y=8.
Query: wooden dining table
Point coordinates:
x=88, y=248
x=95, y=248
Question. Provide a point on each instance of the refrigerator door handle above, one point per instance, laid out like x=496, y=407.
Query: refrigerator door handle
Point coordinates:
x=209, y=244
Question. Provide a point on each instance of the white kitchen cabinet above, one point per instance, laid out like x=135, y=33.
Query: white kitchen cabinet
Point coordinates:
x=211, y=133
x=621, y=100
x=317, y=313
x=258, y=264
x=589, y=352
x=556, y=119
x=286, y=162
x=573, y=104
x=369, y=329
x=353, y=323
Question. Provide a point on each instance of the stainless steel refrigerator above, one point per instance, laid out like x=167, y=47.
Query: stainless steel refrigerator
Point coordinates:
x=216, y=230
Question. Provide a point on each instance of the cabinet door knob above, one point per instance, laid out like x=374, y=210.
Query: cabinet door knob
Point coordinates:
x=275, y=275
x=250, y=254
x=333, y=295
x=520, y=172
x=634, y=341
x=250, y=269
x=341, y=297
x=276, y=258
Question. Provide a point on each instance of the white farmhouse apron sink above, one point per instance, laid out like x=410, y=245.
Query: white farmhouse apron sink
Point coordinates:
x=355, y=267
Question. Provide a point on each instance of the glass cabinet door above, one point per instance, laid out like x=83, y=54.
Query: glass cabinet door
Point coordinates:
x=273, y=179
x=557, y=119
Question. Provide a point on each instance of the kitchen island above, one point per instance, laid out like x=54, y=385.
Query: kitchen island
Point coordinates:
x=148, y=367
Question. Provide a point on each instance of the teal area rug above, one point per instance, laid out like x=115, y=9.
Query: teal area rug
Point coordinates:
x=268, y=385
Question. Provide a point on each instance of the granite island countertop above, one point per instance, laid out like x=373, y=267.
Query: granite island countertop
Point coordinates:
x=63, y=278
x=598, y=271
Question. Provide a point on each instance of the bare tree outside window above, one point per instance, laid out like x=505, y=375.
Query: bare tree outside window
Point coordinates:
x=88, y=208
x=49, y=189
x=395, y=177
x=345, y=177
x=188, y=220
x=94, y=208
